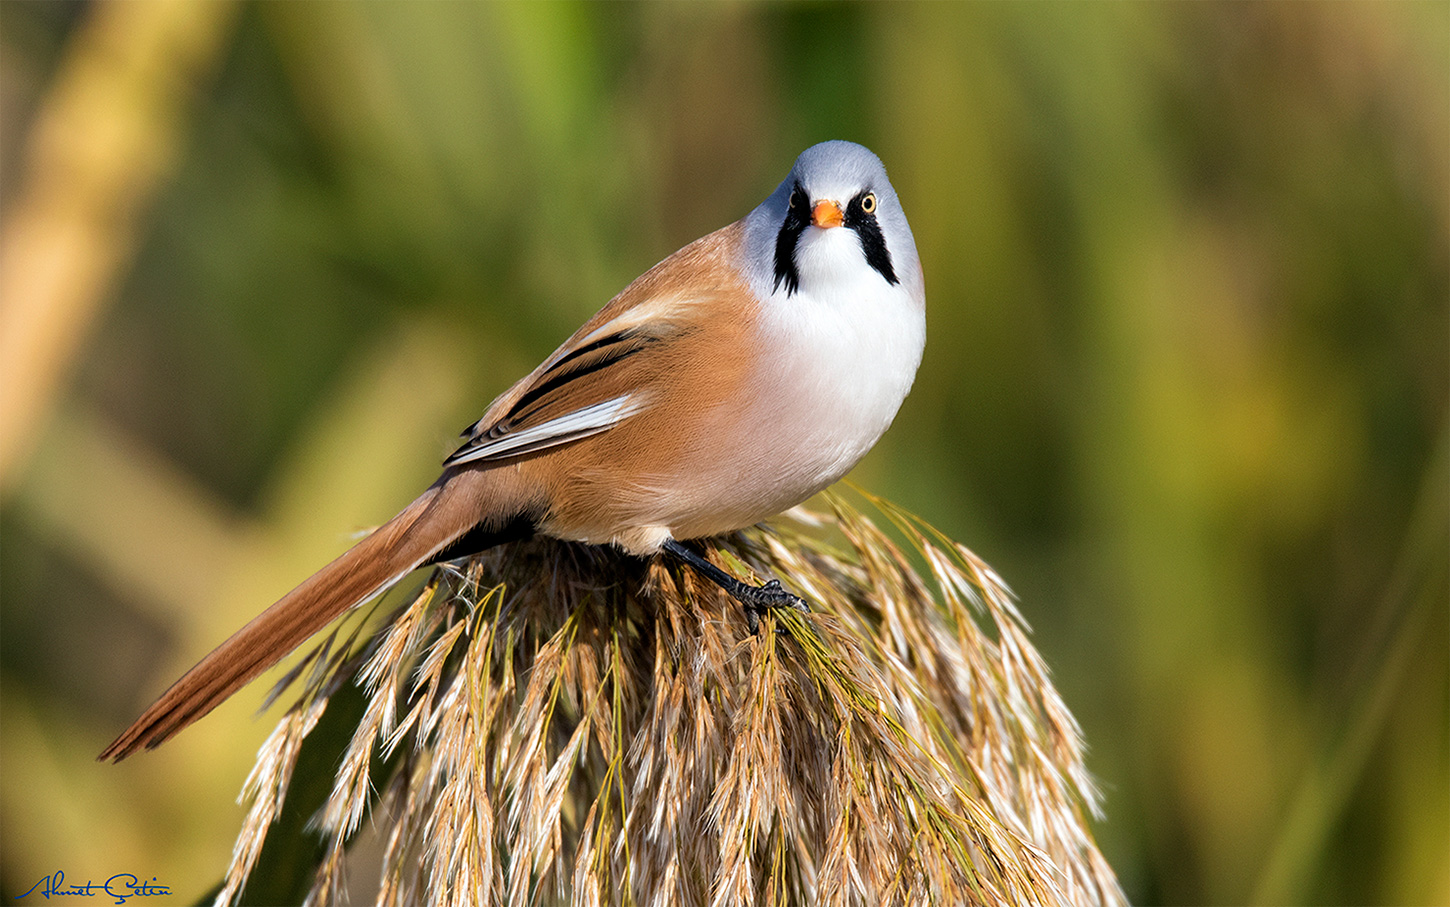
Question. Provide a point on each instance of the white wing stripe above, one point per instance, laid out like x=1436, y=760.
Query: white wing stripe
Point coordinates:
x=579, y=424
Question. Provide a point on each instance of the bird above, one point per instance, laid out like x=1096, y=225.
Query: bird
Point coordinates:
x=728, y=383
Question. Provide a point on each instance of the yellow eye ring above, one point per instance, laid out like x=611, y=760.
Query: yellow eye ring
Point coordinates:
x=868, y=203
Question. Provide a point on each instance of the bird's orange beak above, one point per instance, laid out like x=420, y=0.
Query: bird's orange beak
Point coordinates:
x=826, y=214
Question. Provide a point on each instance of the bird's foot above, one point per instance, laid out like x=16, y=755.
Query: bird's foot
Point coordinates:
x=755, y=599
x=770, y=597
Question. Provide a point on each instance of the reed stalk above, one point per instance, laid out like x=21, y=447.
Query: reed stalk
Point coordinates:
x=559, y=723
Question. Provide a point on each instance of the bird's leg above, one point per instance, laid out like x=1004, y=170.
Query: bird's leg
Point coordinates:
x=755, y=599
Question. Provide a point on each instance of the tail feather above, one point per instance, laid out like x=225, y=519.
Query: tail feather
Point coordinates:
x=370, y=567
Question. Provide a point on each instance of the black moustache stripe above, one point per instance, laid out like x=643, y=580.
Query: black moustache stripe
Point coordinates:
x=797, y=218
x=873, y=243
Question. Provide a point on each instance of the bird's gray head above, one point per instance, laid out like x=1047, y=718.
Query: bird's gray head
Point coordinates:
x=791, y=243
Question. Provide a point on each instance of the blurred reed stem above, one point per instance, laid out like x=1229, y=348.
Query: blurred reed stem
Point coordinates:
x=1408, y=605
x=106, y=133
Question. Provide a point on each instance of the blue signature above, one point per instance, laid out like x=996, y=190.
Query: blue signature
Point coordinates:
x=121, y=886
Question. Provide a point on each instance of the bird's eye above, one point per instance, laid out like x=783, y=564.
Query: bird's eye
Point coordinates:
x=868, y=203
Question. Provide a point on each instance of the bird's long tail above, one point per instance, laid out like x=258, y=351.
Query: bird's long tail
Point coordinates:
x=435, y=522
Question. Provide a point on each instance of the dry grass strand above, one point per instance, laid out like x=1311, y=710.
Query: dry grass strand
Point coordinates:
x=564, y=724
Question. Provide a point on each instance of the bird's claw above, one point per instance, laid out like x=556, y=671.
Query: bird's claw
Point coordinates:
x=769, y=597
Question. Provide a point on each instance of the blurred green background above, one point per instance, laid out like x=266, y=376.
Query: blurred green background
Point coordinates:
x=1185, y=384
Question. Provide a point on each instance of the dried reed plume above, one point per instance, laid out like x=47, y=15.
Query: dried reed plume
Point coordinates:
x=556, y=723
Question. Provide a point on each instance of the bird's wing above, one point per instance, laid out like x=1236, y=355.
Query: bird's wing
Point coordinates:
x=615, y=365
x=587, y=390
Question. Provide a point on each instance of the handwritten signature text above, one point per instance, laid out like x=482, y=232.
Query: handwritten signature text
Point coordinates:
x=122, y=886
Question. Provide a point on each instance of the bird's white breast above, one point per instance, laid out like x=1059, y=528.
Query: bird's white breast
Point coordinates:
x=842, y=353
